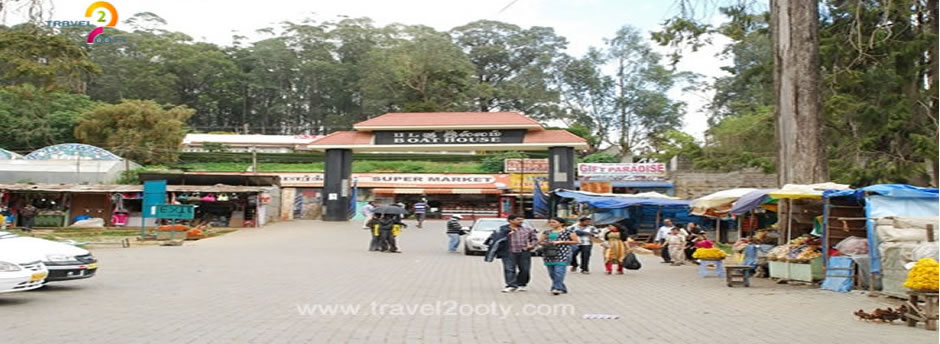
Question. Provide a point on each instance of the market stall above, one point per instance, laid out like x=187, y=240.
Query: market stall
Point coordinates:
x=754, y=211
x=800, y=258
x=62, y=205
x=886, y=223
x=717, y=207
x=222, y=206
x=642, y=213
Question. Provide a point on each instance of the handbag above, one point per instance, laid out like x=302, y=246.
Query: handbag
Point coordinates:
x=549, y=250
x=631, y=263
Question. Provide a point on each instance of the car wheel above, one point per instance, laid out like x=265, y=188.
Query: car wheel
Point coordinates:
x=466, y=250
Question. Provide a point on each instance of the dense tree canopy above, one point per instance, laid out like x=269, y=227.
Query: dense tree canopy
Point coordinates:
x=879, y=90
x=878, y=64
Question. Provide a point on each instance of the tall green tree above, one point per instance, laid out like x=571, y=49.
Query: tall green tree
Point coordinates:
x=641, y=108
x=879, y=75
x=419, y=70
x=32, y=118
x=34, y=55
x=586, y=96
x=513, y=66
x=140, y=130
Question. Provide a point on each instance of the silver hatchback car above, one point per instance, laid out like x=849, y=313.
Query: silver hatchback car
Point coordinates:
x=481, y=229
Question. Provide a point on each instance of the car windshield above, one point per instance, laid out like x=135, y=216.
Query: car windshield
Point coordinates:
x=494, y=224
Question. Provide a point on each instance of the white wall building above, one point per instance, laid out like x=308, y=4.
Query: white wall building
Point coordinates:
x=196, y=143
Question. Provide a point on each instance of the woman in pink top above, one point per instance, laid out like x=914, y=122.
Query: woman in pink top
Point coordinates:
x=703, y=242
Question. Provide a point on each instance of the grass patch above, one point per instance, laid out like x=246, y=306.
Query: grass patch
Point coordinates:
x=108, y=235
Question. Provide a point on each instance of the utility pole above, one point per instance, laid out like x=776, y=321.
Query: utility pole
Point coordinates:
x=254, y=160
x=78, y=167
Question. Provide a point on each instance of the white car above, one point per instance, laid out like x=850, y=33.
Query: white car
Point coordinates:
x=64, y=262
x=481, y=229
x=20, y=270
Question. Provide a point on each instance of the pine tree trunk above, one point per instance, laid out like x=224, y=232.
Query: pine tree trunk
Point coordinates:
x=794, y=31
x=933, y=72
x=794, y=25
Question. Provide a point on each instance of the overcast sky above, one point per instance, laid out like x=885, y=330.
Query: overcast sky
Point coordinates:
x=584, y=23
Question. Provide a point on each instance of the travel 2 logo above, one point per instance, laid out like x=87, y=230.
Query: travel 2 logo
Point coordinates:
x=101, y=22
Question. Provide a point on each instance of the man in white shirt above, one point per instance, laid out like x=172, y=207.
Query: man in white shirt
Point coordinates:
x=368, y=211
x=661, y=238
x=585, y=231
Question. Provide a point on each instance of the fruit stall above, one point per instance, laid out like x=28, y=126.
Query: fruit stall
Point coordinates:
x=798, y=260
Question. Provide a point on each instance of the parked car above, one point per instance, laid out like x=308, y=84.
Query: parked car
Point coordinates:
x=480, y=230
x=20, y=270
x=63, y=261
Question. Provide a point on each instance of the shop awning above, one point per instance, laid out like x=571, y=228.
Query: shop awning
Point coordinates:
x=718, y=202
x=407, y=191
x=751, y=201
x=614, y=202
x=801, y=191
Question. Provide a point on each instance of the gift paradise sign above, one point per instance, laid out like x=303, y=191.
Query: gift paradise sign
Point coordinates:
x=622, y=171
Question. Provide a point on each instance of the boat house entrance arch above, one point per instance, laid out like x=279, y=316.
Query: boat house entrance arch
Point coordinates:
x=437, y=132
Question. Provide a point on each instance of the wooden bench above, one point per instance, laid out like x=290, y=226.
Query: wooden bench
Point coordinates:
x=927, y=313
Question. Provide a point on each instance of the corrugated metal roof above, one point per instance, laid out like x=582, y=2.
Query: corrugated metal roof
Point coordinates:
x=249, y=139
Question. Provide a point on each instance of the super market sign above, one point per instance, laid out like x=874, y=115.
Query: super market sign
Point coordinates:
x=622, y=171
x=411, y=180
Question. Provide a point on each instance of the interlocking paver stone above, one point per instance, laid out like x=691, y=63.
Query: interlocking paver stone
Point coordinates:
x=246, y=287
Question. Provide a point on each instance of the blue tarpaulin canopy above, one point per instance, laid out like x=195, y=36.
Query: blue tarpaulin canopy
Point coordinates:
x=888, y=190
x=889, y=200
x=751, y=201
x=615, y=202
x=640, y=212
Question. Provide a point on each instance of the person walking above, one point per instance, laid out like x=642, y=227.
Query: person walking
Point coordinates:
x=693, y=232
x=586, y=232
x=374, y=233
x=675, y=241
x=28, y=213
x=420, y=209
x=557, y=244
x=513, y=243
x=615, y=244
x=368, y=211
x=661, y=238
x=454, y=230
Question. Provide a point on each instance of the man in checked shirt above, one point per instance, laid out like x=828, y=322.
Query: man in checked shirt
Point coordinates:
x=513, y=243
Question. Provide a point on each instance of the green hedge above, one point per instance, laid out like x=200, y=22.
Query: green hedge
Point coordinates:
x=186, y=158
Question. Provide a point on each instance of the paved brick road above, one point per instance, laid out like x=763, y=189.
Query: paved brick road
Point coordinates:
x=247, y=286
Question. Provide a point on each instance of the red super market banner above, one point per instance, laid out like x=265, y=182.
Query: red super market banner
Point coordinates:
x=622, y=171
